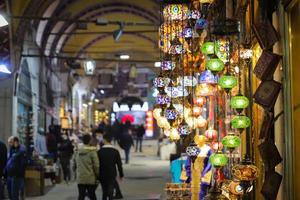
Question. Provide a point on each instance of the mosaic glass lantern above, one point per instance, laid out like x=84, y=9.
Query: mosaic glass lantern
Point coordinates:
x=168, y=65
x=222, y=49
x=199, y=101
x=201, y=122
x=188, y=81
x=194, y=15
x=174, y=135
x=163, y=99
x=227, y=82
x=192, y=122
x=175, y=92
x=211, y=134
x=175, y=12
x=184, y=129
x=218, y=159
x=207, y=77
x=163, y=123
x=215, y=65
x=193, y=151
x=208, y=48
x=197, y=110
x=171, y=114
x=216, y=146
x=245, y=172
x=239, y=103
x=231, y=141
x=188, y=32
x=157, y=112
x=204, y=90
x=215, y=193
x=176, y=47
x=201, y=24
x=160, y=82
x=240, y=122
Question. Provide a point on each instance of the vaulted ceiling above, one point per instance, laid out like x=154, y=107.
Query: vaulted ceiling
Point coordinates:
x=67, y=28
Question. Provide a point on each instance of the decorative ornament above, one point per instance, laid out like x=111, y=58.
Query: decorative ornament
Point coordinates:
x=207, y=77
x=245, y=172
x=215, y=65
x=157, y=112
x=240, y=122
x=211, y=134
x=171, y=114
x=174, y=135
x=184, y=129
x=231, y=141
x=192, y=151
x=215, y=193
x=163, y=99
x=227, y=82
x=204, y=90
x=175, y=12
x=239, y=103
x=216, y=146
x=218, y=159
x=168, y=65
x=208, y=48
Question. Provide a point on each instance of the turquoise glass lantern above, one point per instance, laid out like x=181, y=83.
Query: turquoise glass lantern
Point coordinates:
x=208, y=48
x=218, y=159
x=227, y=82
x=215, y=65
x=240, y=122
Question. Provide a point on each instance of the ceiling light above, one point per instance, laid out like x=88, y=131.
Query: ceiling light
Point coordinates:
x=118, y=33
x=97, y=100
x=3, y=68
x=124, y=57
x=90, y=103
x=3, y=21
x=102, y=91
x=85, y=105
x=89, y=67
x=157, y=64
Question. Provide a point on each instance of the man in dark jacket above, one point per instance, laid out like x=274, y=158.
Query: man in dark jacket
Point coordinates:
x=66, y=150
x=109, y=158
x=139, y=138
x=3, y=159
x=15, y=169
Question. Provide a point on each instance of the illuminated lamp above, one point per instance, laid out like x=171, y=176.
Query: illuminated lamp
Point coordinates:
x=166, y=132
x=162, y=122
x=199, y=101
x=215, y=193
x=188, y=81
x=177, y=91
x=204, y=90
x=201, y=24
x=218, y=159
x=163, y=99
x=245, y=172
x=184, y=129
x=216, y=146
x=160, y=82
x=168, y=65
x=188, y=32
x=194, y=15
x=215, y=65
x=175, y=12
x=206, y=1
x=231, y=141
x=89, y=67
x=193, y=151
x=197, y=110
x=171, y=114
x=201, y=122
x=192, y=122
x=208, y=48
x=239, y=103
x=227, y=82
x=157, y=112
x=174, y=135
x=176, y=47
x=240, y=122
x=207, y=77
x=211, y=134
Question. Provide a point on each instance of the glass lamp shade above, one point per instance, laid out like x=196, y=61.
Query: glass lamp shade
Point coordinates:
x=215, y=65
x=171, y=113
x=215, y=193
x=201, y=24
x=188, y=32
x=157, y=112
x=176, y=49
x=175, y=12
x=208, y=48
x=239, y=102
x=201, y=122
x=199, y=101
x=162, y=122
x=231, y=141
x=218, y=159
x=160, y=81
x=240, y=122
x=235, y=188
x=211, y=134
x=194, y=15
x=222, y=49
x=207, y=77
x=168, y=65
x=174, y=135
x=192, y=151
x=197, y=111
x=188, y=81
x=204, y=90
x=184, y=129
x=192, y=122
x=175, y=92
x=216, y=146
x=228, y=82
x=163, y=99
x=245, y=172
x=169, y=31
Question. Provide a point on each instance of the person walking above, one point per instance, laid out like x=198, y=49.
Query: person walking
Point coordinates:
x=87, y=169
x=110, y=159
x=15, y=170
x=3, y=160
x=139, y=138
x=66, y=151
x=126, y=142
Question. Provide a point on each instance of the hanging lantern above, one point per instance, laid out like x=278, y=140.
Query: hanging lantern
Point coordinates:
x=208, y=48
x=188, y=81
x=201, y=24
x=201, y=122
x=162, y=122
x=218, y=159
x=192, y=122
x=168, y=65
x=89, y=67
x=176, y=47
x=197, y=111
x=216, y=146
x=184, y=129
x=204, y=90
x=188, y=32
x=175, y=12
x=211, y=134
x=199, y=101
x=235, y=188
x=245, y=172
x=163, y=99
x=193, y=151
x=160, y=82
x=231, y=141
x=222, y=49
x=240, y=122
x=194, y=15
x=177, y=91
x=207, y=77
x=171, y=114
x=227, y=82
x=215, y=193
x=157, y=112
x=215, y=65
x=174, y=135
x=239, y=103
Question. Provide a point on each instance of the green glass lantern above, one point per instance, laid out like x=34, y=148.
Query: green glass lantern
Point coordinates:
x=231, y=141
x=208, y=48
x=215, y=65
x=227, y=82
x=240, y=122
x=218, y=159
x=239, y=103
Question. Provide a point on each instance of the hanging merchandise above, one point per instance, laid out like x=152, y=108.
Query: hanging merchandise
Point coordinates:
x=200, y=101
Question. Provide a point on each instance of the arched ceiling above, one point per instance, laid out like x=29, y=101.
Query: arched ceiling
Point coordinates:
x=60, y=35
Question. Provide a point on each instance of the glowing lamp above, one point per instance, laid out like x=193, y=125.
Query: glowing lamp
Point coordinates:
x=197, y=110
x=227, y=82
x=207, y=77
x=215, y=193
x=218, y=159
x=192, y=151
x=204, y=90
x=171, y=114
x=89, y=67
x=176, y=47
x=157, y=112
x=216, y=146
x=184, y=129
x=206, y=1
x=208, y=48
x=168, y=65
x=201, y=122
x=239, y=102
x=199, y=101
x=215, y=65
x=174, y=135
x=201, y=24
x=245, y=172
x=240, y=122
x=163, y=99
x=192, y=122
x=175, y=12
x=231, y=141
x=211, y=134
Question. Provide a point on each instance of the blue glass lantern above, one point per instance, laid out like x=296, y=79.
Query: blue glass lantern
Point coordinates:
x=193, y=151
x=207, y=77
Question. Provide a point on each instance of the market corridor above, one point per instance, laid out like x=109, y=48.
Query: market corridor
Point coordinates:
x=145, y=178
